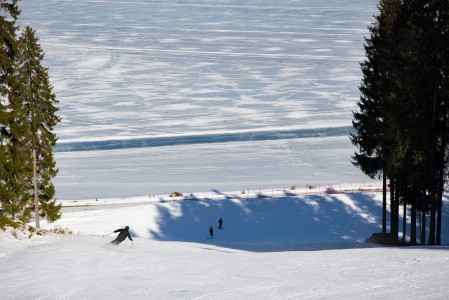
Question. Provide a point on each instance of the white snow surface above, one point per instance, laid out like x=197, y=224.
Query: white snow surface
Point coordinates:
x=285, y=247
x=230, y=74
x=127, y=70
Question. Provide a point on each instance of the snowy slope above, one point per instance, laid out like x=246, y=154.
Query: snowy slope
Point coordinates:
x=232, y=75
x=289, y=220
x=264, y=251
x=81, y=268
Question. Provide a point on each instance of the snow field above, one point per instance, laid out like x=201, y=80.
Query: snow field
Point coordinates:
x=125, y=70
x=83, y=268
x=307, y=247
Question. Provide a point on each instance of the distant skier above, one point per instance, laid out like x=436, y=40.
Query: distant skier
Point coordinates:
x=220, y=224
x=124, y=233
x=211, y=232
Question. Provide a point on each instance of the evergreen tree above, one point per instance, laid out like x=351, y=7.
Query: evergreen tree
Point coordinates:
x=401, y=125
x=443, y=56
x=12, y=191
x=9, y=12
x=38, y=112
x=373, y=137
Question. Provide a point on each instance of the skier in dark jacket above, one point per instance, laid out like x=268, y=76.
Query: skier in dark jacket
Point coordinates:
x=211, y=232
x=220, y=224
x=124, y=233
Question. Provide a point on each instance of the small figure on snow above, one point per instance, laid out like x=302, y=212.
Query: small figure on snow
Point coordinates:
x=124, y=233
x=211, y=232
x=220, y=224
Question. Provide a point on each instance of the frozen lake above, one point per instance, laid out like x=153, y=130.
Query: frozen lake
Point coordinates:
x=132, y=71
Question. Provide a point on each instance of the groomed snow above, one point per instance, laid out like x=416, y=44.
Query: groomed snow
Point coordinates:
x=303, y=247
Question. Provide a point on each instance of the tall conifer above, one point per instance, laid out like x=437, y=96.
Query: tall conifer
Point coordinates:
x=39, y=114
x=12, y=190
x=373, y=137
x=404, y=96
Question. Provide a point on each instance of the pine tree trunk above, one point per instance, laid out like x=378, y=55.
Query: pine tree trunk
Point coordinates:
x=392, y=206
x=413, y=225
x=420, y=226
x=433, y=169
x=36, y=195
x=423, y=228
x=439, y=207
x=396, y=214
x=442, y=164
x=384, y=203
x=404, y=224
x=433, y=204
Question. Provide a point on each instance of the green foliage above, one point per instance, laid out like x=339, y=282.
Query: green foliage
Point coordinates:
x=8, y=222
x=12, y=190
x=401, y=121
x=27, y=119
x=51, y=210
x=37, y=107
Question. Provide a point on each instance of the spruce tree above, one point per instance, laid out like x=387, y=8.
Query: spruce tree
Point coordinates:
x=38, y=110
x=372, y=136
x=12, y=192
x=9, y=12
x=404, y=96
x=443, y=56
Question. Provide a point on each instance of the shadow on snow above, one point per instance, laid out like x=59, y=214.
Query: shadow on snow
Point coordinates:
x=201, y=139
x=272, y=224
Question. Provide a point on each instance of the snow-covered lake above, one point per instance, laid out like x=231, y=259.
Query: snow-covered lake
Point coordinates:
x=124, y=71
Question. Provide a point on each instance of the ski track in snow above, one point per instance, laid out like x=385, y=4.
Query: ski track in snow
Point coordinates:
x=161, y=270
x=282, y=248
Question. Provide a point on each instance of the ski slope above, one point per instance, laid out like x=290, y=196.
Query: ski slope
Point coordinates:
x=303, y=247
x=209, y=96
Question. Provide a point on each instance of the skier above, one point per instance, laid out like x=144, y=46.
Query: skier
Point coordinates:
x=220, y=224
x=122, y=236
x=211, y=232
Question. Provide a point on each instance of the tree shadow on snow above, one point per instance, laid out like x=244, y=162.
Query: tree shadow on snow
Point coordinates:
x=272, y=224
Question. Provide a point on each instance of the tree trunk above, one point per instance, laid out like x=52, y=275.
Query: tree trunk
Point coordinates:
x=420, y=226
x=392, y=206
x=36, y=191
x=396, y=213
x=433, y=168
x=404, y=224
x=423, y=228
x=413, y=225
x=384, y=203
x=442, y=164
x=439, y=207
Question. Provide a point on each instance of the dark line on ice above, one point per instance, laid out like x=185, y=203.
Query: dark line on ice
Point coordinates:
x=201, y=139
